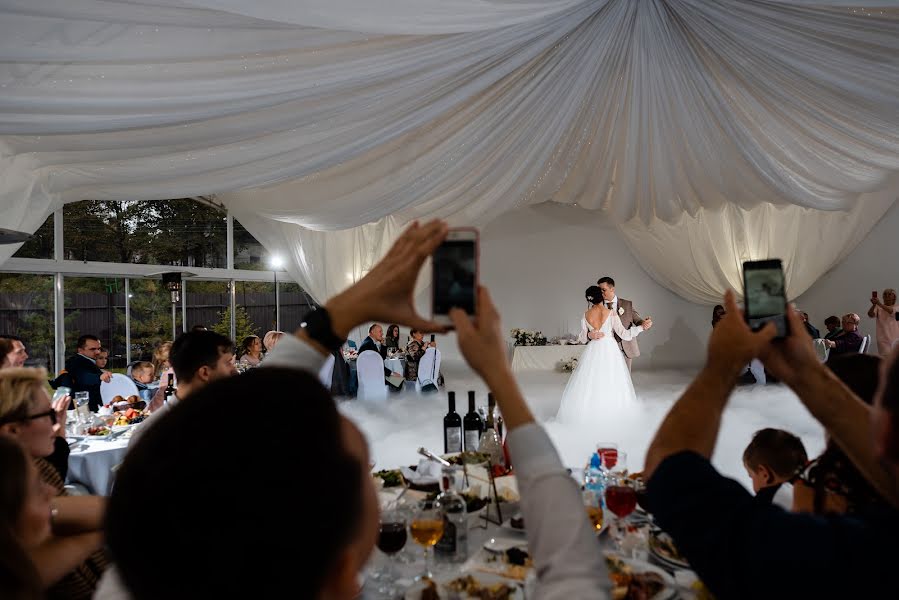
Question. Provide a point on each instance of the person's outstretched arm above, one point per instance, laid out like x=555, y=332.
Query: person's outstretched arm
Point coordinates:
x=561, y=539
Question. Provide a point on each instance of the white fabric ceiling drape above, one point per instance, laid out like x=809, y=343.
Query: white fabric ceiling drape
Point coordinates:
x=335, y=114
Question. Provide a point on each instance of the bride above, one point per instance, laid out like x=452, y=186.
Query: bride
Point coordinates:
x=601, y=384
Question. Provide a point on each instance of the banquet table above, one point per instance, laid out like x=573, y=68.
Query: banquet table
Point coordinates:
x=543, y=358
x=91, y=463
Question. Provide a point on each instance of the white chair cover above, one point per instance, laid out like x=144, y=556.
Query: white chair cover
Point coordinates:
x=866, y=343
x=119, y=385
x=370, y=370
x=821, y=350
x=326, y=372
x=429, y=367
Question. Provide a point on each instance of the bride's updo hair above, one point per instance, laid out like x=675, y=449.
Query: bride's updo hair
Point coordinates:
x=593, y=294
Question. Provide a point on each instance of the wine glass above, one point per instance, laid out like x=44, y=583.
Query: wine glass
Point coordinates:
x=426, y=529
x=391, y=539
x=608, y=454
x=621, y=498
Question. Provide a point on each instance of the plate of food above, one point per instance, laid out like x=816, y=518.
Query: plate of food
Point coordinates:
x=514, y=523
x=636, y=579
x=513, y=563
x=662, y=548
x=483, y=586
x=467, y=457
x=99, y=432
x=501, y=545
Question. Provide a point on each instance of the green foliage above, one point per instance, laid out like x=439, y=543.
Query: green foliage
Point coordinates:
x=243, y=325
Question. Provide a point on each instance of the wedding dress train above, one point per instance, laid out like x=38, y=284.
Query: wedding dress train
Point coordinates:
x=600, y=387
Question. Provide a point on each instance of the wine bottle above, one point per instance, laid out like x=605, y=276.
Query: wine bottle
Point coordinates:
x=472, y=426
x=169, y=389
x=452, y=547
x=452, y=427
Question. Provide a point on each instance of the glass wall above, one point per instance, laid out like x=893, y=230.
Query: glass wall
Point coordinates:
x=294, y=305
x=40, y=245
x=182, y=232
x=96, y=306
x=208, y=304
x=26, y=310
x=255, y=301
x=151, y=317
x=249, y=254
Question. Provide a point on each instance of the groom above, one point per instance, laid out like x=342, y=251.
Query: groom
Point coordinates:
x=629, y=317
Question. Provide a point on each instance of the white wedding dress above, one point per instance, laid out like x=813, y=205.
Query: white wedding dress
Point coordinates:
x=600, y=387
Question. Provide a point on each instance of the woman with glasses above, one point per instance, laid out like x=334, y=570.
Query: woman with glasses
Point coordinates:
x=69, y=565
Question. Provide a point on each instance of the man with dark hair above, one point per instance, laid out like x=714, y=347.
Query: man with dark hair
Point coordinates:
x=82, y=374
x=628, y=315
x=198, y=358
x=726, y=536
x=833, y=327
x=375, y=342
x=15, y=354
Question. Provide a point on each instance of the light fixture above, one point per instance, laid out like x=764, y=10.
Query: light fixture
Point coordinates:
x=276, y=262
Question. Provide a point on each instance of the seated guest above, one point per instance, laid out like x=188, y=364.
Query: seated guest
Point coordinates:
x=70, y=563
x=375, y=341
x=392, y=338
x=103, y=358
x=342, y=524
x=811, y=329
x=415, y=349
x=772, y=458
x=724, y=533
x=198, y=358
x=717, y=314
x=161, y=360
x=12, y=352
x=82, y=373
x=250, y=351
x=849, y=341
x=832, y=323
x=831, y=484
x=886, y=326
x=271, y=339
x=142, y=374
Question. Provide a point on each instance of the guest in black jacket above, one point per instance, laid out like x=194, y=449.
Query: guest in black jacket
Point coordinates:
x=375, y=341
x=82, y=373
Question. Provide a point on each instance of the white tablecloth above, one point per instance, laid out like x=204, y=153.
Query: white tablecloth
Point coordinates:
x=91, y=463
x=397, y=365
x=536, y=358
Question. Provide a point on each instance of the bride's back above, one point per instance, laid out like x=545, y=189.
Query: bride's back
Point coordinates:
x=596, y=315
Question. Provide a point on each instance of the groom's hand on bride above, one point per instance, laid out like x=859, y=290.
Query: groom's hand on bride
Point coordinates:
x=733, y=344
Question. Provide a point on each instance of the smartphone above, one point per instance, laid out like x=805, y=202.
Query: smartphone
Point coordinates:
x=764, y=292
x=455, y=274
x=433, y=337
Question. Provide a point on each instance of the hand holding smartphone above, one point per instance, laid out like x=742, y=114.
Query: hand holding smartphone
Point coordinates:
x=455, y=274
x=764, y=293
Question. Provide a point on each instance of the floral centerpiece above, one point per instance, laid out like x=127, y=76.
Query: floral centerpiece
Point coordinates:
x=525, y=337
x=568, y=366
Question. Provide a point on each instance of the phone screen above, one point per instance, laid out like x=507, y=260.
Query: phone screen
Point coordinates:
x=765, y=294
x=455, y=276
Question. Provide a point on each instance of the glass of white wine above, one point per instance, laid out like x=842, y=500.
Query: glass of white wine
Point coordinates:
x=426, y=528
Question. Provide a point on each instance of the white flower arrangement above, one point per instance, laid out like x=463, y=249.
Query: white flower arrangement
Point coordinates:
x=525, y=337
x=568, y=366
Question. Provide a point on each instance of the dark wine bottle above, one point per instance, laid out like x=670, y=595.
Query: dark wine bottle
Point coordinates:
x=170, y=389
x=452, y=427
x=472, y=426
x=491, y=407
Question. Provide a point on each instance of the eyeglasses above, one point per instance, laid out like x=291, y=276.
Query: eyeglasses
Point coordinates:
x=50, y=413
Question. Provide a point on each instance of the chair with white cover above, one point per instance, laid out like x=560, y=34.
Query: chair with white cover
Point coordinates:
x=370, y=370
x=866, y=343
x=428, y=368
x=119, y=385
x=327, y=372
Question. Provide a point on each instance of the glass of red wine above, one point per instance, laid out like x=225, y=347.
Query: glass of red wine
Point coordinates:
x=608, y=454
x=621, y=500
x=391, y=539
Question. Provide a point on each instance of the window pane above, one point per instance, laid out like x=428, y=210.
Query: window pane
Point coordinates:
x=294, y=305
x=208, y=305
x=255, y=302
x=26, y=310
x=41, y=245
x=248, y=252
x=151, y=317
x=96, y=306
x=181, y=232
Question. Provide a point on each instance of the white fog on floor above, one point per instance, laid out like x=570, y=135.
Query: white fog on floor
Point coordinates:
x=397, y=428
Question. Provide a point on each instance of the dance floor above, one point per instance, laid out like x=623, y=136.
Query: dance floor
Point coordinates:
x=396, y=429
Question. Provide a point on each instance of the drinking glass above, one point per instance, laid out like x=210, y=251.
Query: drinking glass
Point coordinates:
x=426, y=529
x=82, y=400
x=391, y=539
x=593, y=505
x=621, y=499
x=608, y=454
